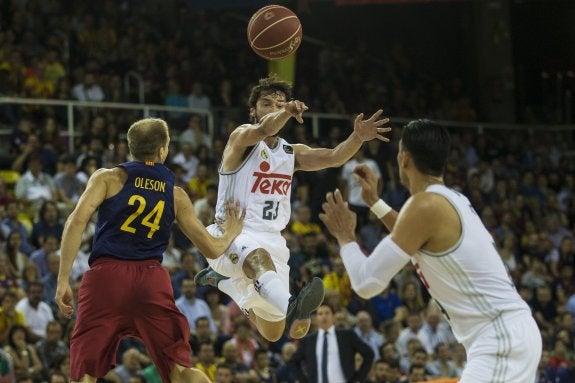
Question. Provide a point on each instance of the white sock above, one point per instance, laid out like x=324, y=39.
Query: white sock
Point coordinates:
x=271, y=288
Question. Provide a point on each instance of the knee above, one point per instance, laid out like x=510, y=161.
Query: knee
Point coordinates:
x=258, y=262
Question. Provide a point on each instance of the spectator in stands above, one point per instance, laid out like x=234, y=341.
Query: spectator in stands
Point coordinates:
x=283, y=372
x=197, y=97
x=17, y=260
x=207, y=359
x=193, y=307
x=36, y=312
x=187, y=271
x=245, y=342
x=219, y=311
x=437, y=329
x=8, y=281
x=51, y=349
x=68, y=186
x=262, y=367
x=225, y=374
x=132, y=363
x=230, y=357
x=209, y=199
x=194, y=133
x=35, y=186
x=338, y=280
x=23, y=354
x=50, y=281
x=186, y=159
x=39, y=257
x=89, y=89
x=48, y=224
x=385, y=305
x=442, y=366
x=414, y=329
x=198, y=185
x=364, y=329
x=411, y=296
x=9, y=316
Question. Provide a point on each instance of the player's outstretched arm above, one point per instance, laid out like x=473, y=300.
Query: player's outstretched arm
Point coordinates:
x=310, y=159
x=270, y=125
x=210, y=246
x=95, y=193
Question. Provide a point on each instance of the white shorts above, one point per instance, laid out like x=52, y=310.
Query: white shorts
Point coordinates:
x=504, y=354
x=242, y=289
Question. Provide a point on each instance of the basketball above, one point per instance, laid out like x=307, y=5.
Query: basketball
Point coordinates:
x=274, y=32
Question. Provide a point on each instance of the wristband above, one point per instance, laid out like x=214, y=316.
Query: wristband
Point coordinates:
x=380, y=208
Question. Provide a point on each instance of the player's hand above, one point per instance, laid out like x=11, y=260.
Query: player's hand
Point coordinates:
x=235, y=215
x=368, y=180
x=296, y=109
x=65, y=300
x=371, y=128
x=338, y=218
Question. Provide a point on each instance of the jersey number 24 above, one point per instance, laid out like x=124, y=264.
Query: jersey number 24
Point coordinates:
x=150, y=220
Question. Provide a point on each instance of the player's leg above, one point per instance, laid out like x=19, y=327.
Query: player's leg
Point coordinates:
x=159, y=324
x=99, y=321
x=272, y=283
x=85, y=379
x=182, y=374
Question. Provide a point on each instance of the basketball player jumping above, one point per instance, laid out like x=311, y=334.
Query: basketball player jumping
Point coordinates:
x=256, y=170
x=454, y=255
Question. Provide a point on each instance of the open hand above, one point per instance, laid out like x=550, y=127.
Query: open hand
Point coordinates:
x=369, y=129
x=338, y=218
x=235, y=215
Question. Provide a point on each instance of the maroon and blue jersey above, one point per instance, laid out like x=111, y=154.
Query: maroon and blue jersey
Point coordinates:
x=135, y=224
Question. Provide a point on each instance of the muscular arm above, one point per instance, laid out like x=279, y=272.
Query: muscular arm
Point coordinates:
x=93, y=196
x=310, y=159
x=416, y=227
x=210, y=246
x=249, y=135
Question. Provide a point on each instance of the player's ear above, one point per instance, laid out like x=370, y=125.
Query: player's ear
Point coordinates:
x=253, y=118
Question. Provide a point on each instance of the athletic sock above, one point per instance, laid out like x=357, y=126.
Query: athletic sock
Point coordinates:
x=272, y=289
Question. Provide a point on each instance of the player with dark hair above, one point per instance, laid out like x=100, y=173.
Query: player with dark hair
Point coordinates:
x=439, y=232
x=257, y=170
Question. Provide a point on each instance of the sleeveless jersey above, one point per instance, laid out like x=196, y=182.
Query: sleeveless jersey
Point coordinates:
x=469, y=282
x=135, y=224
x=262, y=184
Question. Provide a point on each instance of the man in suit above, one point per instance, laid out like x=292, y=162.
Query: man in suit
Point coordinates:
x=331, y=358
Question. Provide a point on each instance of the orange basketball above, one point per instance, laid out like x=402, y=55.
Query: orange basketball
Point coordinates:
x=274, y=32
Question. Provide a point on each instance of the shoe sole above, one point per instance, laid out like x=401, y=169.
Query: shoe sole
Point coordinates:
x=308, y=303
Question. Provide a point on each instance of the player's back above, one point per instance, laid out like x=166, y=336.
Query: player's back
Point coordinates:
x=135, y=223
x=262, y=184
x=469, y=281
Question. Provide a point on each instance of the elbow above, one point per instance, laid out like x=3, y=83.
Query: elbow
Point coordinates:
x=368, y=289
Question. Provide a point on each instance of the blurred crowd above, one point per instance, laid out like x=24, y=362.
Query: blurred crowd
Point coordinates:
x=520, y=183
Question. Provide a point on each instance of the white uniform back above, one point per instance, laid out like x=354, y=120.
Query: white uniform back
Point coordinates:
x=262, y=184
x=476, y=290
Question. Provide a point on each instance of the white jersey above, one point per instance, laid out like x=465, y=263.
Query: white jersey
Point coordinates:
x=262, y=184
x=469, y=281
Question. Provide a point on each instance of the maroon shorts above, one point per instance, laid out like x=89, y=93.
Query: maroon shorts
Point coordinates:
x=127, y=298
